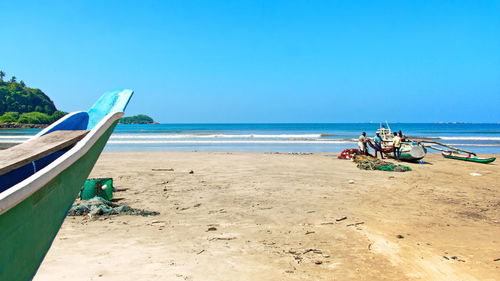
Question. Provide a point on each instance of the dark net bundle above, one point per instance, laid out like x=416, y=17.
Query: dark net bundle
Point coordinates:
x=99, y=206
x=365, y=162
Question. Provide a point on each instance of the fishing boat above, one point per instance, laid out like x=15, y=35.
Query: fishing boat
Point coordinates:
x=40, y=179
x=410, y=150
x=466, y=157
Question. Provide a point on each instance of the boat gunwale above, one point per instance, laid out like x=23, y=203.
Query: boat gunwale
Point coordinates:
x=55, y=124
x=22, y=190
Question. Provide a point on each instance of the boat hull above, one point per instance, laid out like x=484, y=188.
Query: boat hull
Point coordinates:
x=470, y=159
x=411, y=152
x=28, y=228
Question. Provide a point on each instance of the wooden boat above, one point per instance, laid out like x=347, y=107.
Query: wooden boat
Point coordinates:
x=40, y=179
x=467, y=157
x=411, y=151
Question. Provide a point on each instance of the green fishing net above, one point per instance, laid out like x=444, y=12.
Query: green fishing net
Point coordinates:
x=369, y=163
x=394, y=168
x=99, y=206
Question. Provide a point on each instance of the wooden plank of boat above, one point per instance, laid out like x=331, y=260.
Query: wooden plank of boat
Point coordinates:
x=22, y=154
x=470, y=159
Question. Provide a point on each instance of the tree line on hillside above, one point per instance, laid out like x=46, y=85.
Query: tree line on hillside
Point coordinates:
x=21, y=104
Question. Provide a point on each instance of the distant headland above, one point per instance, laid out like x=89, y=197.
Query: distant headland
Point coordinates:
x=137, y=119
x=24, y=107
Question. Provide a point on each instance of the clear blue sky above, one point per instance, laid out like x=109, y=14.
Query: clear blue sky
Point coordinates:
x=263, y=61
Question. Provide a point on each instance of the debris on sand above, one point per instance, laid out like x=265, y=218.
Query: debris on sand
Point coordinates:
x=454, y=258
x=222, y=238
x=163, y=169
x=308, y=255
x=356, y=224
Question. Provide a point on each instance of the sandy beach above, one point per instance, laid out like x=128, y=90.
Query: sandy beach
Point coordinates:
x=262, y=216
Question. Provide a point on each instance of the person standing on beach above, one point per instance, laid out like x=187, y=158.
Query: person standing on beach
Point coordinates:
x=362, y=143
x=396, y=143
x=401, y=136
x=378, y=143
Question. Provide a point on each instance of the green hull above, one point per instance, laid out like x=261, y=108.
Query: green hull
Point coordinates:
x=28, y=229
x=471, y=159
x=411, y=152
x=408, y=157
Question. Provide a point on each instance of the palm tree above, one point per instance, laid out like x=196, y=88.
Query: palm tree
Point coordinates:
x=2, y=75
x=13, y=79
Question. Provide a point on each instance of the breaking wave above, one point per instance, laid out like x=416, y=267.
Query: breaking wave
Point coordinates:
x=471, y=138
x=185, y=136
x=224, y=142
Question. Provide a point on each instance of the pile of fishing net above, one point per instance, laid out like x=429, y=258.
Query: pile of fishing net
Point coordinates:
x=365, y=162
x=99, y=206
x=349, y=153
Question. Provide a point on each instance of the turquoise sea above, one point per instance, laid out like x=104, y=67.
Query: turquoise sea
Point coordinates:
x=331, y=137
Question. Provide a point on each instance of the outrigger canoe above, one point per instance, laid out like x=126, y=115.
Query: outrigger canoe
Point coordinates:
x=40, y=179
x=470, y=158
x=410, y=151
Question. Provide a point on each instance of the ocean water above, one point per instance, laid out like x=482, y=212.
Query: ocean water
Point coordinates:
x=331, y=137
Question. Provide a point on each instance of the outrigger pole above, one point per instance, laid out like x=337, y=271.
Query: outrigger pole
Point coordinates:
x=445, y=145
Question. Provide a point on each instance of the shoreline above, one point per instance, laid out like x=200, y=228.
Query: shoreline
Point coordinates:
x=267, y=216
x=10, y=125
x=480, y=138
x=6, y=145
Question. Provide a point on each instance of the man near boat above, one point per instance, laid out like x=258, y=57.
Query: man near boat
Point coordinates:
x=378, y=143
x=362, y=143
x=401, y=136
x=396, y=143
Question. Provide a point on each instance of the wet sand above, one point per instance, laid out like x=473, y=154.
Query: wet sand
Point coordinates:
x=258, y=216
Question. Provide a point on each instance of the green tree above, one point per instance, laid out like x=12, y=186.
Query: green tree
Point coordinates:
x=2, y=75
x=9, y=117
x=34, y=118
x=16, y=97
x=57, y=115
x=13, y=79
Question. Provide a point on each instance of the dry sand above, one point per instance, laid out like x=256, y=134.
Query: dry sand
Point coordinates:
x=257, y=216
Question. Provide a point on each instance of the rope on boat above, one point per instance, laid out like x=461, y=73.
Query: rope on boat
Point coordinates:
x=377, y=148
